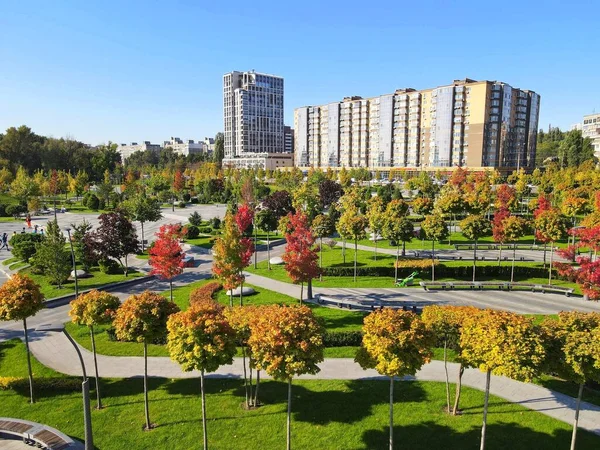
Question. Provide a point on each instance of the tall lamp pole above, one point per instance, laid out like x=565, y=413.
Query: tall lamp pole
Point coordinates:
x=68, y=230
x=85, y=385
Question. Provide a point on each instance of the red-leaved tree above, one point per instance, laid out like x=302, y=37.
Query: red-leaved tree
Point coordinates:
x=498, y=230
x=301, y=260
x=166, y=255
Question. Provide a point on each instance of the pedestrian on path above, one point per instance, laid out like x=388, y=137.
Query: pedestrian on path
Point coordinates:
x=4, y=242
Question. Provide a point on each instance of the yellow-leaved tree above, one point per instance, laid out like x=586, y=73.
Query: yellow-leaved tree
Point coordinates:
x=395, y=343
x=501, y=343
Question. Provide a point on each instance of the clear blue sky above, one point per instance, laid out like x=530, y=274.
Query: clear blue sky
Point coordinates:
x=132, y=71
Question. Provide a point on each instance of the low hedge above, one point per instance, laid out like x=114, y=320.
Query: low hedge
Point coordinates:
x=205, y=293
x=442, y=271
x=342, y=338
x=49, y=383
x=415, y=264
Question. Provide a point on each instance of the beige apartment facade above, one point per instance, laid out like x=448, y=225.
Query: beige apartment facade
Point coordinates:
x=590, y=128
x=465, y=124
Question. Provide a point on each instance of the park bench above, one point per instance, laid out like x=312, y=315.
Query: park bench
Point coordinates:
x=500, y=285
x=38, y=435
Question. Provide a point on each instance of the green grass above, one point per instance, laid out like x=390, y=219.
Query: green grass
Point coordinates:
x=96, y=280
x=455, y=238
x=17, y=265
x=333, y=258
x=9, y=261
x=326, y=414
x=201, y=241
x=144, y=256
x=7, y=199
x=333, y=319
x=9, y=219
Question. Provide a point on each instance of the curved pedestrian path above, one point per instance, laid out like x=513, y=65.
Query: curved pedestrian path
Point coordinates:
x=55, y=351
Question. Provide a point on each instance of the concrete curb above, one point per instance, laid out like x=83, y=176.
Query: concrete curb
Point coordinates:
x=63, y=300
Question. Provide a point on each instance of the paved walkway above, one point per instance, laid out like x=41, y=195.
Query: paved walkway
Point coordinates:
x=54, y=350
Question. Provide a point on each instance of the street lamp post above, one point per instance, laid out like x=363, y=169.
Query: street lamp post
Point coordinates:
x=68, y=230
x=85, y=385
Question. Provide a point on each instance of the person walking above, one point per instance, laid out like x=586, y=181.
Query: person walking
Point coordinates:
x=4, y=242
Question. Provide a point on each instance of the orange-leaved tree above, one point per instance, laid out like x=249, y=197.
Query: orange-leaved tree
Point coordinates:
x=573, y=351
x=20, y=298
x=551, y=226
x=300, y=258
x=501, y=343
x=143, y=318
x=201, y=339
x=166, y=255
x=395, y=343
x=286, y=341
x=91, y=309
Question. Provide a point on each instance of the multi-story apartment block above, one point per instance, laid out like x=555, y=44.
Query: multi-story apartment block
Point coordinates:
x=468, y=123
x=209, y=145
x=288, y=139
x=253, y=114
x=127, y=150
x=186, y=148
x=591, y=129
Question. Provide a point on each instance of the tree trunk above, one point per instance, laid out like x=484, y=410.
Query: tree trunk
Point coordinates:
x=301, y=292
x=231, y=298
x=98, y=399
x=146, y=407
x=256, y=390
x=550, y=267
x=355, y=257
x=321, y=257
x=461, y=371
x=375, y=237
x=397, y=260
x=125, y=268
x=142, y=224
x=500, y=255
x=576, y=421
x=391, y=413
x=245, y=376
x=474, y=259
x=403, y=248
x=255, y=245
x=485, y=408
x=545, y=247
x=31, y=399
x=171, y=288
x=241, y=291
x=344, y=250
x=432, y=260
x=446, y=371
x=289, y=416
x=309, y=294
x=204, y=436
x=512, y=269
x=268, y=252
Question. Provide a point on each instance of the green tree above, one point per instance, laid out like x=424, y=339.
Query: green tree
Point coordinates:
x=322, y=226
x=201, y=339
x=352, y=225
x=219, y=152
x=51, y=255
x=79, y=183
x=514, y=229
x=435, y=228
x=395, y=343
x=143, y=318
x=23, y=187
x=143, y=209
x=501, y=343
x=306, y=199
x=376, y=216
x=266, y=220
x=20, y=298
x=92, y=309
x=474, y=227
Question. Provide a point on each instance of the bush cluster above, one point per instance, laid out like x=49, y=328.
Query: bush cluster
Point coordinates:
x=192, y=232
x=416, y=263
x=109, y=266
x=49, y=383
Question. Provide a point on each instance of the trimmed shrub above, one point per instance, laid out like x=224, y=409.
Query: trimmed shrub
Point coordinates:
x=15, y=210
x=45, y=383
x=205, y=293
x=215, y=222
x=206, y=230
x=342, y=338
x=109, y=266
x=187, y=197
x=181, y=204
x=416, y=263
x=93, y=202
x=194, y=200
x=195, y=219
x=192, y=232
x=24, y=245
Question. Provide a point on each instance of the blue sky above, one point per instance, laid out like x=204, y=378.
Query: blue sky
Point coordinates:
x=132, y=71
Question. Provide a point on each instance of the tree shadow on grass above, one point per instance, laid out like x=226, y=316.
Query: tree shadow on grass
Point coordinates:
x=212, y=386
x=430, y=435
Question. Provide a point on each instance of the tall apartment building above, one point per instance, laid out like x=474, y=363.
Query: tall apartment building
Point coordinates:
x=127, y=150
x=591, y=129
x=467, y=123
x=253, y=114
x=288, y=139
x=185, y=148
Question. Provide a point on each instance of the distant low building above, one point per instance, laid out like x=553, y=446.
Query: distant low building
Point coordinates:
x=128, y=150
x=591, y=129
x=288, y=139
x=185, y=148
x=266, y=161
x=209, y=144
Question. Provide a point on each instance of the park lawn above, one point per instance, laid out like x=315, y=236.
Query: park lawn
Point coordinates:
x=9, y=261
x=326, y=414
x=333, y=320
x=17, y=265
x=9, y=219
x=204, y=241
x=97, y=280
x=455, y=238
